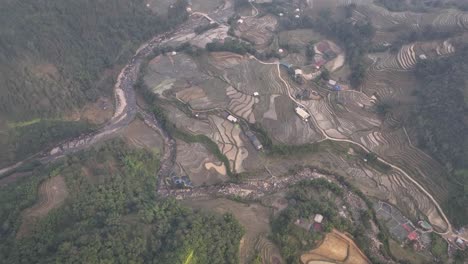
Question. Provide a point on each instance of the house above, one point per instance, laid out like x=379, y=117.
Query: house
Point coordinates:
x=286, y=65
x=183, y=181
x=256, y=94
x=302, y=113
x=254, y=140
x=318, y=218
x=232, y=118
x=304, y=94
x=317, y=227
x=413, y=236
x=298, y=73
x=331, y=82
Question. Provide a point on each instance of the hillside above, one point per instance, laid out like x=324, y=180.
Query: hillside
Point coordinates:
x=56, y=56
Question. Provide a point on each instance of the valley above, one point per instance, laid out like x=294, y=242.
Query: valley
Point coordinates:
x=260, y=105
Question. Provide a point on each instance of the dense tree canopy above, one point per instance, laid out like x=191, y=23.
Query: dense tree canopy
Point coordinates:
x=440, y=118
x=113, y=216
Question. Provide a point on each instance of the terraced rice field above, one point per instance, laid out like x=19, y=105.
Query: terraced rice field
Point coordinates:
x=409, y=55
x=335, y=248
x=141, y=136
x=388, y=84
x=190, y=125
x=228, y=138
x=298, y=37
x=287, y=128
x=394, y=145
x=195, y=161
x=268, y=251
x=250, y=76
x=51, y=194
x=241, y=104
x=383, y=19
x=168, y=72
x=390, y=186
x=257, y=30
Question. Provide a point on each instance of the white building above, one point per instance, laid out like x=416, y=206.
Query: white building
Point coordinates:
x=332, y=82
x=302, y=113
x=240, y=21
x=298, y=72
x=232, y=118
x=318, y=218
x=256, y=94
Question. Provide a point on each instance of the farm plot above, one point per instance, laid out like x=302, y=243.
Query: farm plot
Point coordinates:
x=325, y=118
x=298, y=37
x=187, y=124
x=284, y=126
x=228, y=138
x=394, y=146
x=209, y=36
x=257, y=30
x=388, y=84
x=254, y=218
x=335, y=248
x=434, y=49
x=195, y=161
x=351, y=109
x=383, y=18
x=168, y=72
x=180, y=75
x=52, y=193
x=389, y=186
x=142, y=136
x=248, y=75
x=241, y=104
x=451, y=18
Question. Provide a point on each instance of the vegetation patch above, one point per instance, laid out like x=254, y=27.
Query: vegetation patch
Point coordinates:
x=119, y=216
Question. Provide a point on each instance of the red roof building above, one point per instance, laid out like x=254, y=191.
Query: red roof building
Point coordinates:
x=413, y=236
x=317, y=227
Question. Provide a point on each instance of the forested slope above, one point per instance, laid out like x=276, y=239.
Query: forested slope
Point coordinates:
x=53, y=56
x=441, y=120
x=112, y=214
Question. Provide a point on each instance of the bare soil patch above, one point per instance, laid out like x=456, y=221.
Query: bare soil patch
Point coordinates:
x=45, y=70
x=52, y=193
x=98, y=112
